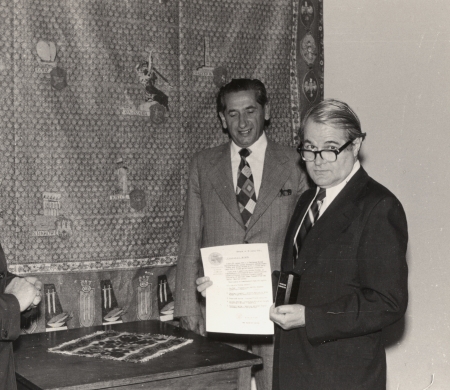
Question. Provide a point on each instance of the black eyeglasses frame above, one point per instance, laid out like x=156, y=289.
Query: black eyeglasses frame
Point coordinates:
x=319, y=152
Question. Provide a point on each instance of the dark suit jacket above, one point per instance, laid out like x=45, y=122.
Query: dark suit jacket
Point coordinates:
x=9, y=328
x=353, y=284
x=212, y=216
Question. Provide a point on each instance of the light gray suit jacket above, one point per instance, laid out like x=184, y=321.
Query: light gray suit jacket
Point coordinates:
x=212, y=216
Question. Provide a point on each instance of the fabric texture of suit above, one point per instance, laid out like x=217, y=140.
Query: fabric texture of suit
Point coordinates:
x=212, y=218
x=9, y=328
x=353, y=284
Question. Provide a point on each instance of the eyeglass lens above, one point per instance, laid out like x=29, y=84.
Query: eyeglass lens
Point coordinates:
x=326, y=155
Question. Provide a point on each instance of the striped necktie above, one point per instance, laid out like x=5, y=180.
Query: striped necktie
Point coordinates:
x=308, y=222
x=245, y=189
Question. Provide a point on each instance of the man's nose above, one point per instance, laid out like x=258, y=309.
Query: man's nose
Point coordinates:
x=319, y=160
x=242, y=121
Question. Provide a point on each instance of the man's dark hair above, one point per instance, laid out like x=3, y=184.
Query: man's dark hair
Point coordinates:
x=238, y=85
x=336, y=114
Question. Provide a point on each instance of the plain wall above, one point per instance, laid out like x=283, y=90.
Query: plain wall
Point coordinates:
x=390, y=60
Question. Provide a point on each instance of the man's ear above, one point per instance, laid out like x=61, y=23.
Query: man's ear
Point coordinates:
x=222, y=118
x=267, y=111
x=356, y=146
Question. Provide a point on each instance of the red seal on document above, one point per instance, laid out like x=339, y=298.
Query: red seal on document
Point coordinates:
x=215, y=258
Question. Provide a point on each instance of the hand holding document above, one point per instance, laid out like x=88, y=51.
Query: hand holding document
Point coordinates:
x=241, y=294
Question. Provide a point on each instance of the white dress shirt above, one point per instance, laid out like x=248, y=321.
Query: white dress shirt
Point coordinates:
x=255, y=160
x=331, y=194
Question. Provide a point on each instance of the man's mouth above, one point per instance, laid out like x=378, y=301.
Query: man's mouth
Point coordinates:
x=244, y=132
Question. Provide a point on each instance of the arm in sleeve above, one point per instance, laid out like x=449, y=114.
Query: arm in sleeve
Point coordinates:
x=380, y=294
x=9, y=306
x=9, y=317
x=189, y=263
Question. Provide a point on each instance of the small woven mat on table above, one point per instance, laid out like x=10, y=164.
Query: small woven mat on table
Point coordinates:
x=123, y=346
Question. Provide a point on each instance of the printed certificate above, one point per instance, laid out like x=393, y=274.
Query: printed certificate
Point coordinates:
x=241, y=294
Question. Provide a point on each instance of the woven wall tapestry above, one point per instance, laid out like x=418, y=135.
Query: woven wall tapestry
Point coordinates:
x=104, y=103
x=91, y=131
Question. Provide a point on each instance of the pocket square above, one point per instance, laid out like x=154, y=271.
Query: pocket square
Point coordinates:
x=285, y=192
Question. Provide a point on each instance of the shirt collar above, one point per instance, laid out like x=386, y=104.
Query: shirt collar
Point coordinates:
x=332, y=192
x=258, y=148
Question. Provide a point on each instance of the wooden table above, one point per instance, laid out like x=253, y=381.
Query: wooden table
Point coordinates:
x=203, y=364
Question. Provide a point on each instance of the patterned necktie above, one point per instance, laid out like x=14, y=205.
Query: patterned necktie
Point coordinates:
x=245, y=189
x=308, y=222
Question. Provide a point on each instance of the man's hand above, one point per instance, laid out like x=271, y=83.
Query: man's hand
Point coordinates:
x=34, y=281
x=28, y=294
x=202, y=284
x=193, y=323
x=38, y=284
x=288, y=316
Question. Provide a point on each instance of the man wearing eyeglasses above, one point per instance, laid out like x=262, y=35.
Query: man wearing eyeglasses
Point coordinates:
x=347, y=240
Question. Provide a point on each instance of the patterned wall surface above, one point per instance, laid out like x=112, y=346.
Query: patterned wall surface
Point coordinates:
x=96, y=162
x=307, y=58
x=7, y=132
x=104, y=102
x=243, y=38
x=89, y=298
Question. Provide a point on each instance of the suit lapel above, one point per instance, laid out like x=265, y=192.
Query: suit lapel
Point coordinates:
x=336, y=218
x=275, y=174
x=299, y=211
x=222, y=180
